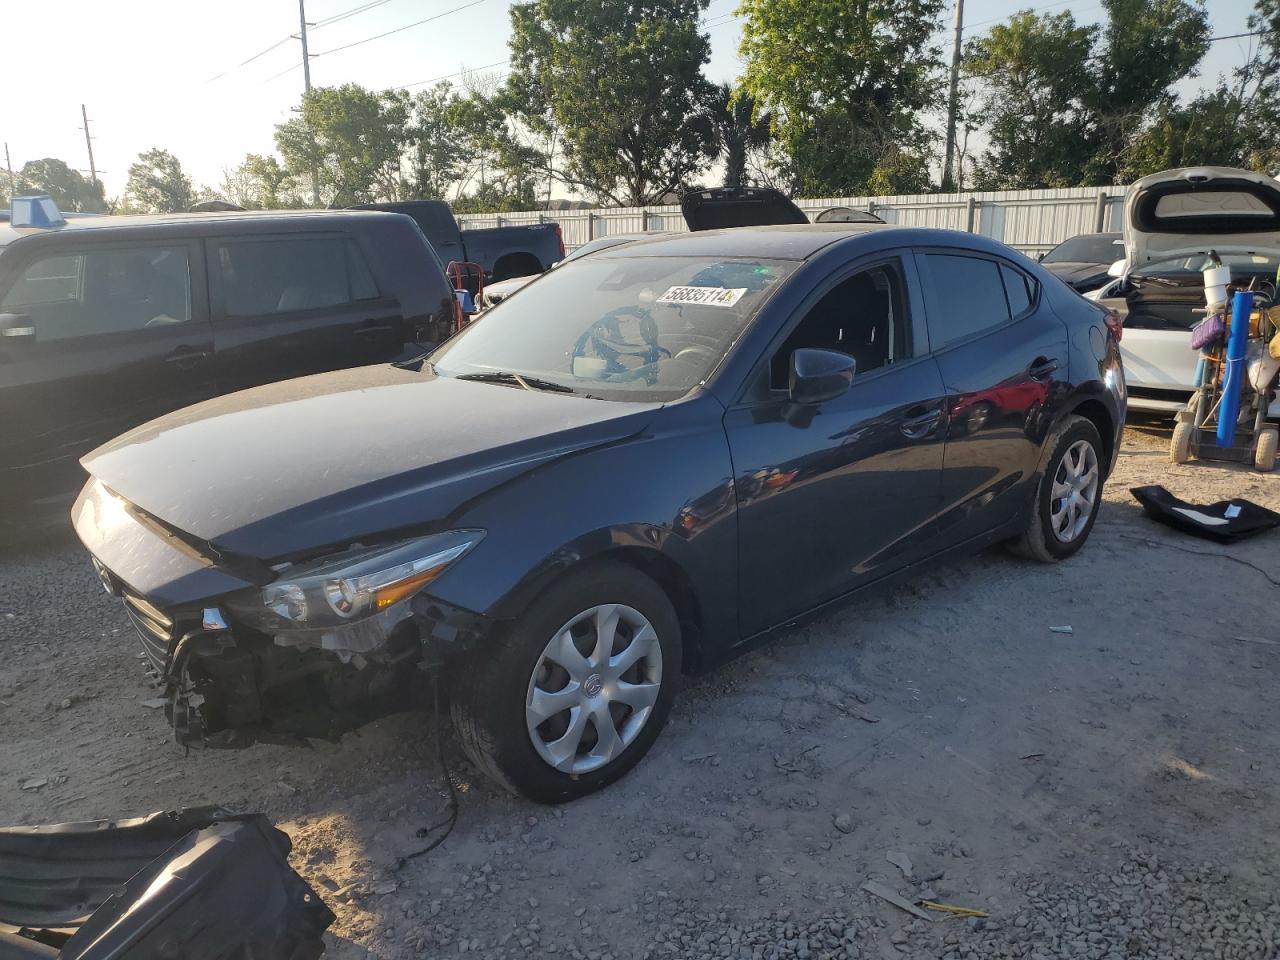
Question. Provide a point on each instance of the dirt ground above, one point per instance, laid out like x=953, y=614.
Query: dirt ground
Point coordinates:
x=1106, y=793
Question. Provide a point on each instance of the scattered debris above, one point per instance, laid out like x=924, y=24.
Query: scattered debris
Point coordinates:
x=1032, y=756
x=843, y=823
x=1066, y=628
x=891, y=896
x=953, y=909
x=384, y=888
x=698, y=757
x=855, y=711
x=156, y=703
x=901, y=861
x=35, y=783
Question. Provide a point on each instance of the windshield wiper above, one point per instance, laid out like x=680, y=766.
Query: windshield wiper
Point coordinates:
x=519, y=380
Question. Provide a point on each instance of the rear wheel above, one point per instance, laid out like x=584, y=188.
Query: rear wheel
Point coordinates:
x=571, y=696
x=1180, y=445
x=1067, y=497
x=1264, y=453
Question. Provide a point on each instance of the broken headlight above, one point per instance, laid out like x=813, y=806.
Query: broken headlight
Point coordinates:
x=350, y=603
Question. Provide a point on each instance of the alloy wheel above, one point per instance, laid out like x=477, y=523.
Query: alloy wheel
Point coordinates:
x=593, y=688
x=1075, y=491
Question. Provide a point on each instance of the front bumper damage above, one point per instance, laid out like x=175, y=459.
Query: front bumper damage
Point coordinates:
x=199, y=884
x=230, y=687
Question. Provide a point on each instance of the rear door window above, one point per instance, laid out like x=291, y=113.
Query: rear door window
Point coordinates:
x=970, y=297
x=268, y=276
x=104, y=290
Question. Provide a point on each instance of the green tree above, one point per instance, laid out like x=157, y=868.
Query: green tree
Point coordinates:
x=1146, y=48
x=260, y=183
x=1235, y=123
x=621, y=86
x=70, y=189
x=1035, y=78
x=846, y=84
x=352, y=138
x=157, y=184
x=740, y=129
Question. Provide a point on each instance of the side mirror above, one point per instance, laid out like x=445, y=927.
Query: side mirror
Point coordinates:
x=1116, y=269
x=17, y=326
x=818, y=375
x=1040, y=256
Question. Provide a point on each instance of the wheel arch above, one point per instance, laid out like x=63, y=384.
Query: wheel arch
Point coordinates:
x=1096, y=412
x=645, y=555
x=522, y=263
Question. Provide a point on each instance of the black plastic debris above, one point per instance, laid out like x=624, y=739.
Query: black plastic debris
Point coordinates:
x=199, y=884
x=1225, y=521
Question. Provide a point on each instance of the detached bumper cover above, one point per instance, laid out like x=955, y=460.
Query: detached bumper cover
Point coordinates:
x=200, y=884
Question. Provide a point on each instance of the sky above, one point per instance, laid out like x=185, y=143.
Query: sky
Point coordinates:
x=167, y=73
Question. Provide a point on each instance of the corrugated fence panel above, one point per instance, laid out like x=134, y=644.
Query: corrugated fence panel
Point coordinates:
x=1030, y=220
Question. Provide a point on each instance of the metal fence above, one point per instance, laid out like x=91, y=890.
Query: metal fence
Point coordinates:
x=1029, y=220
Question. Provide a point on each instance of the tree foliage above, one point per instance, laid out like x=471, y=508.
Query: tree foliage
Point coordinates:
x=69, y=188
x=157, y=184
x=739, y=129
x=261, y=183
x=621, y=85
x=847, y=83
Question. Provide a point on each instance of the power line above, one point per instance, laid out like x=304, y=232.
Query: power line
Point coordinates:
x=245, y=63
x=456, y=73
x=407, y=26
x=347, y=14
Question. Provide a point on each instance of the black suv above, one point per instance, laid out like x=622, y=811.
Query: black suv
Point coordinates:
x=108, y=322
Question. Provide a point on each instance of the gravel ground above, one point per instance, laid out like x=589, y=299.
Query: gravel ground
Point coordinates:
x=1104, y=794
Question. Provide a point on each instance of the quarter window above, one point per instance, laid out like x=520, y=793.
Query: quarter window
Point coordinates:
x=278, y=276
x=1019, y=288
x=970, y=297
x=103, y=291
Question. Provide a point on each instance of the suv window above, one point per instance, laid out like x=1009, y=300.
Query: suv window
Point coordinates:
x=278, y=275
x=109, y=290
x=970, y=297
x=864, y=316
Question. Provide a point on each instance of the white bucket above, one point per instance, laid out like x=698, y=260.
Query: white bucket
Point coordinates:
x=1215, y=285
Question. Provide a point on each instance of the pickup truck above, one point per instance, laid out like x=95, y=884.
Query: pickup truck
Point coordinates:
x=503, y=252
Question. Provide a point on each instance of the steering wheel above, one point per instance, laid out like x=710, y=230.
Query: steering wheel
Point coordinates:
x=603, y=332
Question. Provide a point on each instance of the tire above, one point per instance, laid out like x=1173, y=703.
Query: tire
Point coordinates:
x=494, y=687
x=1180, y=445
x=1264, y=453
x=1039, y=539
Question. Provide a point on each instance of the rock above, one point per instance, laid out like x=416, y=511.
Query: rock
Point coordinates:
x=843, y=822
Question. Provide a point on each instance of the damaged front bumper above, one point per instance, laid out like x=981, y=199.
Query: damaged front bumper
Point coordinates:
x=200, y=884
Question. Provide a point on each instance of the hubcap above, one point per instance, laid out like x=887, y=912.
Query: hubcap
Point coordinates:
x=594, y=688
x=1075, y=491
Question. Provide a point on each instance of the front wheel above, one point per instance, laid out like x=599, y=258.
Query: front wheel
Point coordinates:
x=1068, y=495
x=572, y=695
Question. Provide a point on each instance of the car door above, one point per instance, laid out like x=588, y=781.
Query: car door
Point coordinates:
x=1003, y=358
x=834, y=495
x=295, y=304
x=116, y=333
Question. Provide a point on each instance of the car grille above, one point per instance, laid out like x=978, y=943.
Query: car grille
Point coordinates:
x=154, y=628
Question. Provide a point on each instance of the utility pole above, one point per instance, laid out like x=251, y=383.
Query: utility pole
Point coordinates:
x=13, y=183
x=88, y=142
x=306, y=86
x=953, y=101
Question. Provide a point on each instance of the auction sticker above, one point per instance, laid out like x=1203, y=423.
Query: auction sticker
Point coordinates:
x=703, y=296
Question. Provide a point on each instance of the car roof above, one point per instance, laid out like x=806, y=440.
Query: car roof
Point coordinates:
x=193, y=224
x=797, y=241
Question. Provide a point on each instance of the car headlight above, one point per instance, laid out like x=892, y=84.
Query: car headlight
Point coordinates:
x=349, y=603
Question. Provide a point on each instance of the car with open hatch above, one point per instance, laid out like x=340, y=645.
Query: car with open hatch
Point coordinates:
x=638, y=467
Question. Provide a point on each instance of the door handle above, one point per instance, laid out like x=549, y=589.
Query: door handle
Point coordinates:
x=1041, y=367
x=186, y=359
x=920, y=421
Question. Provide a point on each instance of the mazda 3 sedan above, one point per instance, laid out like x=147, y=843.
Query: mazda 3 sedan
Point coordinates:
x=649, y=461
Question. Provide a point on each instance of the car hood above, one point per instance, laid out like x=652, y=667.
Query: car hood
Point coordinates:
x=738, y=207
x=291, y=467
x=1074, y=273
x=1192, y=210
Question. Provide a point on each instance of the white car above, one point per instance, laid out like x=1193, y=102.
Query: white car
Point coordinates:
x=1173, y=220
